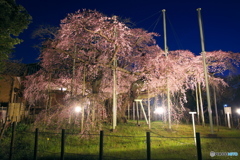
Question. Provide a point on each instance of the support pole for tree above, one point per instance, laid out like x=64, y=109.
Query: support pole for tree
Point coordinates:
x=128, y=117
x=83, y=93
x=169, y=107
x=93, y=113
x=201, y=104
x=114, y=84
x=215, y=104
x=49, y=100
x=149, y=111
x=73, y=70
x=193, y=122
x=197, y=104
x=166, y=53
x=205, y=70
x=144, y=113
x=133, y=111
x=114, y=95
x=228, y=118
x=137, y=113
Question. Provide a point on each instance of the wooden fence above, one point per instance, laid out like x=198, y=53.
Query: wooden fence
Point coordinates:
x=16, y=111
x=101, y=145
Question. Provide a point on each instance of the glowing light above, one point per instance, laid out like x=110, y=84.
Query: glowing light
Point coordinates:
x=62, y=89
x=159, y=110
x=238, y=111
x=78, y=109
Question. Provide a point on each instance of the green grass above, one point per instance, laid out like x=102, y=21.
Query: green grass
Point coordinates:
x=127, y=141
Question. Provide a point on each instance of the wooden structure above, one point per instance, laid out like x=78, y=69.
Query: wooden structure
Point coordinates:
x=11, y=97
x=16, y=112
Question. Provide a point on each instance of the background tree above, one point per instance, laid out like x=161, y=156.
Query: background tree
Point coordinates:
x=13, y=20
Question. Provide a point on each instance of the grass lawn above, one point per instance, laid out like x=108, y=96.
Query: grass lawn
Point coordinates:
x=127, y=141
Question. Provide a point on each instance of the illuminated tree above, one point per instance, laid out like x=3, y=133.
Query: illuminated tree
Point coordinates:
x=85, y=53
x=81, y=56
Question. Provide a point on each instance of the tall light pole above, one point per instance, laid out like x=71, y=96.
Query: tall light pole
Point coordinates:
x=166, y=54
x=205, y=70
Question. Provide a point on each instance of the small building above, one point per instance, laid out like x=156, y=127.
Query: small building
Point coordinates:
x=12, y=103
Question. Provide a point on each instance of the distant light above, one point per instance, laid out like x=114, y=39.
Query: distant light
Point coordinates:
x=78, y=109
x=159, y=110
x=238, y=111
x=62, y=89
x=225, y=105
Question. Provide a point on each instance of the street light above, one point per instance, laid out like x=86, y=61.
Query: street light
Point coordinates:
x=78, y=109
x=238, y=111
x=159, y=110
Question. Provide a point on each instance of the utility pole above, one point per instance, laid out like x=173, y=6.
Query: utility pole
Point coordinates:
x=205, y=70
x=166, y=54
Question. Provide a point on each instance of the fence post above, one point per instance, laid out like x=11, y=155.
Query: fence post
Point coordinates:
x=36, y=144
x=63, y=144
x=12, y=141
x=199, y=150
x=148, y=146
x=101, y=145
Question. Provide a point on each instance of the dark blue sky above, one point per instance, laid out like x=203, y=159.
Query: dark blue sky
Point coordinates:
x=221, y=21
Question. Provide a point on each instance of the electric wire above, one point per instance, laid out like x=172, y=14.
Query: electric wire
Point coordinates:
x=177, y=39
x=148, y=17
x=157, y=22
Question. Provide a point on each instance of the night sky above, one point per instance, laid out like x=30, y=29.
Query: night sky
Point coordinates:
x=221, y=21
